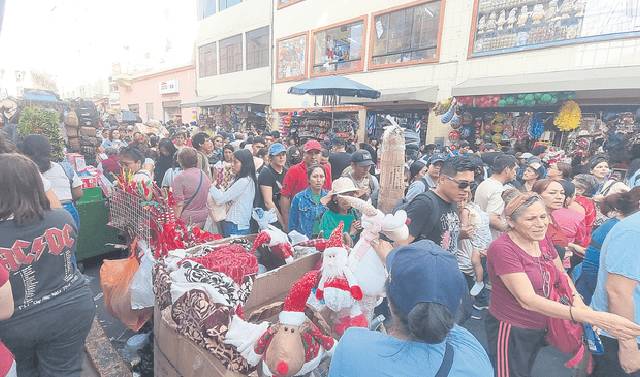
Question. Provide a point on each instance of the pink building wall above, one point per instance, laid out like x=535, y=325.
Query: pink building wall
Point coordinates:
x=145, y=89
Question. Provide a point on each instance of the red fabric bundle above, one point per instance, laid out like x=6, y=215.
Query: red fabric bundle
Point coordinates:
x=232, y=260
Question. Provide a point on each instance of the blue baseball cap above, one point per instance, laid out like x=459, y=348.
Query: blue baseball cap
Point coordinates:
x=424, y=272
x=276, y=149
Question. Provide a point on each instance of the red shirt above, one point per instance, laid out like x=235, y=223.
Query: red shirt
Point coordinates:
x=589, y=214
x=6, y=358
x=296, y=179
x=505, y=257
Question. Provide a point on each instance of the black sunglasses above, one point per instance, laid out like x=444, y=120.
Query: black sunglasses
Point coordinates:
x=462, y=185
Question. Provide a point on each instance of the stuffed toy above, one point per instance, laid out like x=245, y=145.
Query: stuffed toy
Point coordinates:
x=338, y=287
x=367, y=267
x=294, y=346
x=277, y=241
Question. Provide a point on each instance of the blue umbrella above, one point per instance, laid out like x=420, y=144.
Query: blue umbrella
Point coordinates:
x=334, y=86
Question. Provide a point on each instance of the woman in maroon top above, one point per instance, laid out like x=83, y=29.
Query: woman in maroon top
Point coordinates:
x=517, y=320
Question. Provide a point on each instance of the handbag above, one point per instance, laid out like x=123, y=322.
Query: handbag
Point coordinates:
x=563, y=334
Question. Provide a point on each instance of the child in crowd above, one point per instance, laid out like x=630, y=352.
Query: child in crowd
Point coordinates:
x=471, y=249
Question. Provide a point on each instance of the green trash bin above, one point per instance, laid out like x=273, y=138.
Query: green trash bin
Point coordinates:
x=94, y=231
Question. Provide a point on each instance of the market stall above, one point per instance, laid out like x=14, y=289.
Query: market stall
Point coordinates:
x=235, y=117
x=319, y=125
x=567, y=121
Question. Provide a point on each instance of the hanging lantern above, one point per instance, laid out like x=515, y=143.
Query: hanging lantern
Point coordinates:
x=536, y=126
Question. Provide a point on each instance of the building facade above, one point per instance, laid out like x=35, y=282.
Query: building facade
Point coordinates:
x=159, y=95
x=233, y=48
x=417, y=53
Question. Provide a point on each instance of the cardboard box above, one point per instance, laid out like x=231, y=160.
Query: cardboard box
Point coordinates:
x=177, y=356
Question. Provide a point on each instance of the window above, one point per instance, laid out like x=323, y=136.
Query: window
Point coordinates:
x=407, y=35
x=292, y=58
x=206, y=8
x=149, y=108
x=231, y=54
x=339, y=48
x=286, y=3
x=224, y=4
x=134, y=108
x=207, y=60
x=258, y=48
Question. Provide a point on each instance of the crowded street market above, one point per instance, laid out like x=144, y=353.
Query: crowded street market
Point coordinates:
x=324, y=188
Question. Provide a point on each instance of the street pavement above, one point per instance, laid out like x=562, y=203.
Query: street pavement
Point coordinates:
x=549, y=363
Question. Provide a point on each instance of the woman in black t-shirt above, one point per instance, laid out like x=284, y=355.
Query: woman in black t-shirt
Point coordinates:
x=53, y=306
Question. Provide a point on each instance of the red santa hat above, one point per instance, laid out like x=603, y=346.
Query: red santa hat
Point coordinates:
x=335, y=239
x=262, y=238
x=296, y=301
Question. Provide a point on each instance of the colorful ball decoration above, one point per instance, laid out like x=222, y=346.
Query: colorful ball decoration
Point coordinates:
x=454, y=136
x=569, y=117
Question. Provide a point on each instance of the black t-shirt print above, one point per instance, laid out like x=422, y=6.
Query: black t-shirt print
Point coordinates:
x=434, y=219
x=270, y=177
x=38, y=258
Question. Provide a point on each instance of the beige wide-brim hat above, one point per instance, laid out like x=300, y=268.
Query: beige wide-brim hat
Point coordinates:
x=342, y=185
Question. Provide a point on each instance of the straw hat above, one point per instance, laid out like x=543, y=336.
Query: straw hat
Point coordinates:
x=342, y=185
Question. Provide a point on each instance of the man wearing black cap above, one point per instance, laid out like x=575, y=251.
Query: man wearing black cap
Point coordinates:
x=359, y=173
x=339, y=158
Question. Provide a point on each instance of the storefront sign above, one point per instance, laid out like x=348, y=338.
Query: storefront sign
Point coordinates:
x=169, y=87
x=504, y=26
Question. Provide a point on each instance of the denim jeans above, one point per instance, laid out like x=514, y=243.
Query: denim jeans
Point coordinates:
x=73, y=211
x=50, y=343
x=229, y=229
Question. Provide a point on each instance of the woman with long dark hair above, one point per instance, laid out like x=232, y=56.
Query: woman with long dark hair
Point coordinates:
x=241, y=194
x=166, y=157
x=53, y=306
x=64, y=180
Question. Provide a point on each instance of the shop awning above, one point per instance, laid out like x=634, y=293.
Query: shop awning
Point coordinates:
x=196, y=101
x=256, y=98
x=395, y=96
x=619, y=79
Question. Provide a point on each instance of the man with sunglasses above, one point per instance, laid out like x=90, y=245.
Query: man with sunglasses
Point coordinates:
x=434, y=214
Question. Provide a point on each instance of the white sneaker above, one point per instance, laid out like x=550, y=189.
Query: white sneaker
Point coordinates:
x=477, y=287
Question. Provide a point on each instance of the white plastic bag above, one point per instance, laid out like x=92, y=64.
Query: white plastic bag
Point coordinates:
x=141, y=287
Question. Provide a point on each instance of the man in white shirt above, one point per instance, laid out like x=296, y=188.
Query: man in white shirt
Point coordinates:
x=489, y=193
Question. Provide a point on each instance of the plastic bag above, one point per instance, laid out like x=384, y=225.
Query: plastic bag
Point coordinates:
x=115, y=279
x=142, y=283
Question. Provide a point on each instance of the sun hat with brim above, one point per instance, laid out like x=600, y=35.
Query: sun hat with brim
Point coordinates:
x=342, y=185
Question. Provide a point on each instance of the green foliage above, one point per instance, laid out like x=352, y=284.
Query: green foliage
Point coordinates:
x=36, y=120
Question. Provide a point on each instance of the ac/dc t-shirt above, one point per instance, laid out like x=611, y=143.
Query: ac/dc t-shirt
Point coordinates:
x=434, y=219
x=38, y=258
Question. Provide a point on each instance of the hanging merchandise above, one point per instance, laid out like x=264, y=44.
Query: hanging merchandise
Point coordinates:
x=448, y=116
x=454, y=136
x=569, y=117
x=536, y=126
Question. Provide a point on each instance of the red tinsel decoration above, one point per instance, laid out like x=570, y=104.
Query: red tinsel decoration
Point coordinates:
x=233, y=260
